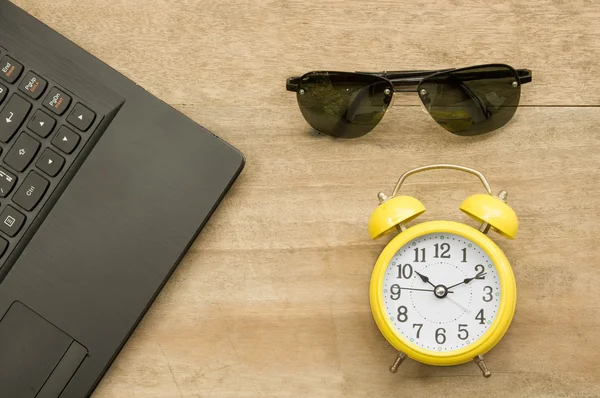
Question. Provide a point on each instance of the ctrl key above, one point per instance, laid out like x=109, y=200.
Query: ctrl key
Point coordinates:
x=31, y=191
x=11, y=221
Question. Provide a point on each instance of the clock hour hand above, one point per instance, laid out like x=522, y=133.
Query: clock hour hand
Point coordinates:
x=424, y=278
x=468, y=280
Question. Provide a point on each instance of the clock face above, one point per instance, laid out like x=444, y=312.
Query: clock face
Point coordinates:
x=441, y=292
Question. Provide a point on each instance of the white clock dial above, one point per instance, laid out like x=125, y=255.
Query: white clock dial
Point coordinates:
x=441, y=291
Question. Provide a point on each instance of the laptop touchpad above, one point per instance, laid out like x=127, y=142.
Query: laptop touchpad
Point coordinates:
x=35, y=356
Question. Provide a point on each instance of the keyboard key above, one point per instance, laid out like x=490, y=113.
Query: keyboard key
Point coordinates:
x=11, y=221
x=50, y=163
x=31, y=191
x=57, y=101
x=33, y=85
x=22, y=152
x=41, y=124
x=7, y=182
x=3, y=91
x=10, y=70
x=66, y=139
x=3, y=246
x=12, y=116
x=81, y=117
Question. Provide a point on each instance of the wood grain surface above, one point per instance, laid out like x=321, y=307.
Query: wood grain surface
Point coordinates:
x=272, y=299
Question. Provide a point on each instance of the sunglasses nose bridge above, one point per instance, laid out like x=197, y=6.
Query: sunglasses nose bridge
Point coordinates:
x=405, y=89
x=396, y=95
x=406, y=85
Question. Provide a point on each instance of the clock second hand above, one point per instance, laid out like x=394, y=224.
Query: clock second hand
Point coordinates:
x=460, y=305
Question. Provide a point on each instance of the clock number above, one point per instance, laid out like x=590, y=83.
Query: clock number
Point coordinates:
x=463, y=328
x=488, y=295
x=402, y=314
x=419, y=326
x=395, y=290
x=445, y=249
x=440, y=337
x=464, y=260
x=405, y=271
x=422, y=260
x=480, y=317
x=480, y=269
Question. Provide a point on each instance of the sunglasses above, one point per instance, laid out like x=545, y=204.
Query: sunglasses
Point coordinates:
x=467, y=101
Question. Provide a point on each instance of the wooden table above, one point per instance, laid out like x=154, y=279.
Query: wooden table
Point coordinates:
x=272, y=300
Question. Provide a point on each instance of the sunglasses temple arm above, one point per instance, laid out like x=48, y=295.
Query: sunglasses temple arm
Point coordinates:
x=525, y=75
x=398, y=79
x=411, y=74
x=407, y=78
x=291, y=84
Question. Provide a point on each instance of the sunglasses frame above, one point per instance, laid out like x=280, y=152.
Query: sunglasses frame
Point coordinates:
x=410, y=81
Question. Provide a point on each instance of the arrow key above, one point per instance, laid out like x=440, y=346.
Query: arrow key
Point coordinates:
x=22, y=152
x=41, y=124
x=66, y=139
x=81, y=117
x=50, y=163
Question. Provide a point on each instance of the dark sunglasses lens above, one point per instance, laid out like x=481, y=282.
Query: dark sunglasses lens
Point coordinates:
x=472, y=101
x=346, y=105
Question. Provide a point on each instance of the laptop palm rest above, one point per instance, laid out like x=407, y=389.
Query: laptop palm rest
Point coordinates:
x=37, y=359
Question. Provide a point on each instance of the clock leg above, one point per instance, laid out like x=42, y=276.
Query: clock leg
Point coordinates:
x=399, y=359
x=480, y=362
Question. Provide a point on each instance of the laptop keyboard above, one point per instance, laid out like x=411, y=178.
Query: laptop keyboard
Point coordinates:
x=43, y=129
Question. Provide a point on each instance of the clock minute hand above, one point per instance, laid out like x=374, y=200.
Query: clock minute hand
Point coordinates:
x=424, y=278
x=468, y=280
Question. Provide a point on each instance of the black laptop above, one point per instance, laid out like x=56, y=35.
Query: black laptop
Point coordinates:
x=103, y=188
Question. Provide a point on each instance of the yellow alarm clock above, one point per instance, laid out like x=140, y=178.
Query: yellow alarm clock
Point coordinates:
x=443, y=293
